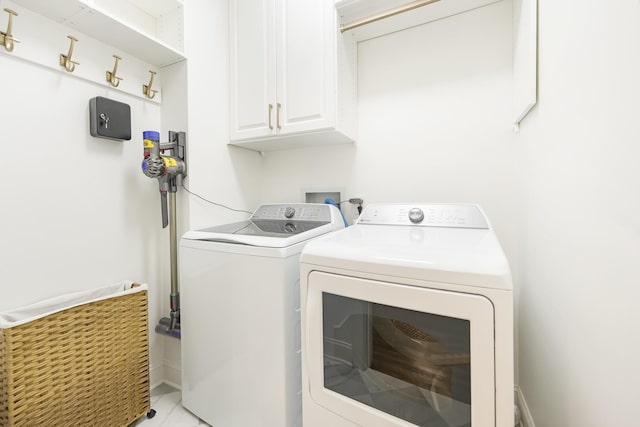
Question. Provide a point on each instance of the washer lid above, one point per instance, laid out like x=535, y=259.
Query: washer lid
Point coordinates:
x=275, y=225
x=444, y=253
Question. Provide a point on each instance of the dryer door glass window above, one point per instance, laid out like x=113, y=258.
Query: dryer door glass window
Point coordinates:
x=410, y=364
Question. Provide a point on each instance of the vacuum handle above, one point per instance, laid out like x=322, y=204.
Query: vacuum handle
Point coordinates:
x=164, y=208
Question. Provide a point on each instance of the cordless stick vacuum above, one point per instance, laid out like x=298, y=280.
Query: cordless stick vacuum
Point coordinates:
x=170, y=170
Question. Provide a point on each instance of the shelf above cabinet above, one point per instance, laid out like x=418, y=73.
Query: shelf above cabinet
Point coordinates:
x=299, y=140
x=351, y=11
x=149, y=30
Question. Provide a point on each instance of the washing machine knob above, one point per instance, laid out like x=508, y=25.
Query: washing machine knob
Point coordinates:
x=416, y=215
x=289, y=212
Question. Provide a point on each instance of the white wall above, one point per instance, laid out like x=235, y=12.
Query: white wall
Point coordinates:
x=418, y=140
x=562, y=194
x=218, y=172
x=174, y=118
x=77, y=212
x=579, y=317
x=434, y=123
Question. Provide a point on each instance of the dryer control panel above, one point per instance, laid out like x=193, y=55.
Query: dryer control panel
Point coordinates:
x=425, y=215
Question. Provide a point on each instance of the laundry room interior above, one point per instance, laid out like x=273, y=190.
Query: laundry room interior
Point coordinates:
x=434, y=112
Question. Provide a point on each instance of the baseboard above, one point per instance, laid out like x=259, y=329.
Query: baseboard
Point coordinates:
x=525, y=415
x=156, y=375
x=172, y=375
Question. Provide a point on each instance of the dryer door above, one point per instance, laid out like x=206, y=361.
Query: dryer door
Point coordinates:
x=384, y=354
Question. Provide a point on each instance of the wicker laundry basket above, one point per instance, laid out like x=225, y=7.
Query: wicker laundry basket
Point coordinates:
x=87, y=365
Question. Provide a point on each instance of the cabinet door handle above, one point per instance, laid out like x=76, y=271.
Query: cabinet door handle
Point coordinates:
x=270, y=109
x=278, y=116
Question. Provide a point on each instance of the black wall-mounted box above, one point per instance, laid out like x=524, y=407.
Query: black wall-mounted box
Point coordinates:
x=109, y=119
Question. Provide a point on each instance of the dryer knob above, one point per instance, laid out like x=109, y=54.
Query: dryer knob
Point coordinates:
x=416, y=215
x=289, y=212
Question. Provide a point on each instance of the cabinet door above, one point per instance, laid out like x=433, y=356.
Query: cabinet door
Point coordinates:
x=252, y=68
x=306, y=79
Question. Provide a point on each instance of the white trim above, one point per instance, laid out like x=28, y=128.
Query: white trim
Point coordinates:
x=525, y=414
x=172, y=375
x=165, y=373
x=156, y=376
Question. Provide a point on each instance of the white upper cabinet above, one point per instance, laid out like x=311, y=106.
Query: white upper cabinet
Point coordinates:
x=252, y=68
x=292, y=75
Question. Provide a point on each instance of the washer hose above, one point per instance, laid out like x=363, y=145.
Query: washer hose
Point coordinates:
x=333, y=202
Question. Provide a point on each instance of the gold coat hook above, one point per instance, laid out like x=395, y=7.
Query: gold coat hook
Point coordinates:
x=111, y=75
x=146, y=89
x=6, y=38
x=65, y=60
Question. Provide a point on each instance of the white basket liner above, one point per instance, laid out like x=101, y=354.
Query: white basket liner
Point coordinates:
x=29, y=313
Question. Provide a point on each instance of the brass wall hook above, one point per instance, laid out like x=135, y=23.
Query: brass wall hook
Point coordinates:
x=65, y=60
x=146, y=89
x=111, y=75
x=7, y=39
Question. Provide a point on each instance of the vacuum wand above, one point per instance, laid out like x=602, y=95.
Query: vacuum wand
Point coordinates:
x=170, y=170
x=174, y=297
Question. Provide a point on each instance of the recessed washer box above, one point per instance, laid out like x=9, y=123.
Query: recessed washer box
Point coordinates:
x=319, y=196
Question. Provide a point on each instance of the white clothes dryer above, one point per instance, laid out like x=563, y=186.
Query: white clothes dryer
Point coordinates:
x=240, y=315
x=407, y=320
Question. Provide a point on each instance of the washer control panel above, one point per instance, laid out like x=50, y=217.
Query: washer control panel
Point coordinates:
x=294, y=211
x=426, y=215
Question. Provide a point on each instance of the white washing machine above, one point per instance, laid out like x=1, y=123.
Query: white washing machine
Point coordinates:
x=240, y=315
x=407, y=320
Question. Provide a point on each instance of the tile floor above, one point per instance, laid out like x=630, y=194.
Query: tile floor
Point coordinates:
x=166, y=400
